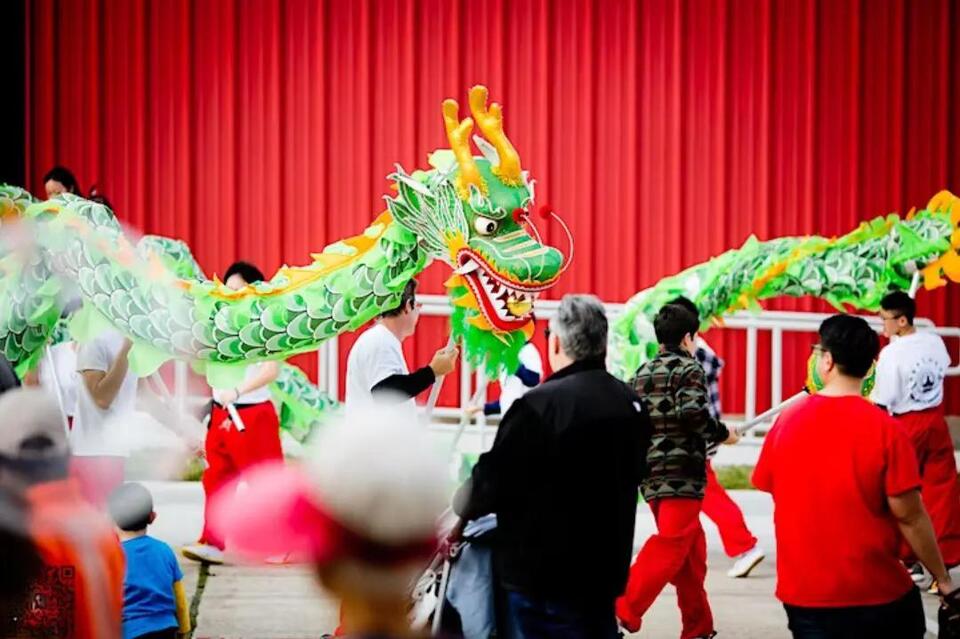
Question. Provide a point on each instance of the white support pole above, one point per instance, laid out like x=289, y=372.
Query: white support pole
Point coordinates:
x=465, y=419
x=323, y=377
x=441, y=597
x=759, y=419
x=180, y=372
x=751, y=391
x=435, y=391
x=776, y=366
x=915, y=284
x=466, y=382
x=480, y=396
x=48, y=354
x=333, y=370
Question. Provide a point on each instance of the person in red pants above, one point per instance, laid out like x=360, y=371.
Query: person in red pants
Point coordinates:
x=909, y=385
x=738, y=542
x=230, y=446
x=674, y=392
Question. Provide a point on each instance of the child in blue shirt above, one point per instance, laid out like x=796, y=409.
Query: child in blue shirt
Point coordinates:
x=154, y=603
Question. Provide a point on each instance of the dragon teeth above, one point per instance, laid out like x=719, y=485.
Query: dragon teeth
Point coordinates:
x=469, y=267
x=499, y=294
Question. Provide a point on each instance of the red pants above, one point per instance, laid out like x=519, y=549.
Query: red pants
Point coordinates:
x=230, y=451
x=928, y=431
x=677, y=554
x=97, y=476
x=724, y=512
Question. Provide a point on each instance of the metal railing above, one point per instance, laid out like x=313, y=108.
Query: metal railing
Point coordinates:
x=776, y=322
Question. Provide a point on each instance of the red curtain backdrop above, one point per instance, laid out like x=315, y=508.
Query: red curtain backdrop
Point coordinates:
x=664, y=132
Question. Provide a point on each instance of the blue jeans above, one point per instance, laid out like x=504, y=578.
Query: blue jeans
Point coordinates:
x=530, y=617
x=900, y=619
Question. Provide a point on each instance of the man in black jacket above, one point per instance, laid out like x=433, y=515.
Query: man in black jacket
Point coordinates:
x=562, y=479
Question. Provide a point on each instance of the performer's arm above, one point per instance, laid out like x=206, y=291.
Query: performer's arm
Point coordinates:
x=399, y=387
x=693, y=404
x=183, y=610
x=902, y=486
x=102, y=378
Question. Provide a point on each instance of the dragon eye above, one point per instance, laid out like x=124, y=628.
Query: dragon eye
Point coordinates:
x=484, y=225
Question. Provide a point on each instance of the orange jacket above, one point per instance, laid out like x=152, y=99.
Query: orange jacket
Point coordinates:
x=81, y=594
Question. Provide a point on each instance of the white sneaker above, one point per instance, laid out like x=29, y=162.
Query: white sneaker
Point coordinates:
x=746, y=562
x=921, y=576
x=203, y=553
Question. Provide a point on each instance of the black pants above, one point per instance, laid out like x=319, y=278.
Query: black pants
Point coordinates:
x=169, y=633
x=539, y=618
x=900, y=619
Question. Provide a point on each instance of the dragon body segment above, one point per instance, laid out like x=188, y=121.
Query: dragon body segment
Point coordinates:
x=855, y=270
x=466, y=211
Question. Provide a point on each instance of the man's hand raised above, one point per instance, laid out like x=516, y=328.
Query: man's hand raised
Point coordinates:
x=444, y=361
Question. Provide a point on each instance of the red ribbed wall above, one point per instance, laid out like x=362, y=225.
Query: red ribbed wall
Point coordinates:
x=663, y=132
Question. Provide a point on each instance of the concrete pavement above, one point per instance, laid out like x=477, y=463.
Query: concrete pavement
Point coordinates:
x=253, y=602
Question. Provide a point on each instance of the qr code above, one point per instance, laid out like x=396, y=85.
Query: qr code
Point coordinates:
x=49, y=609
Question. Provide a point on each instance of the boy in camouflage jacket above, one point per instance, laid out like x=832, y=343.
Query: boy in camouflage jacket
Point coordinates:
x=673, y=388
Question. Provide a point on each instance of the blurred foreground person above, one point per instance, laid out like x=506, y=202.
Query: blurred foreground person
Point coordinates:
x=8, y=378
x=20, y=559
x=80, y=591
x=842, y=510
x=362, y=508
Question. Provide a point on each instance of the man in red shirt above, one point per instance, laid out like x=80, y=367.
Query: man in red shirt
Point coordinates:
x=845, y=486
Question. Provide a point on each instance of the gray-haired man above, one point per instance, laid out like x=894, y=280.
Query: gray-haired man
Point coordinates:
x=562, y=478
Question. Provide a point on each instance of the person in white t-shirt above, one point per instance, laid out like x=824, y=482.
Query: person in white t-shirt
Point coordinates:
x=231, y=447
x=377, y=372
x=909, y=385
x=376, y=369
x=106, y=397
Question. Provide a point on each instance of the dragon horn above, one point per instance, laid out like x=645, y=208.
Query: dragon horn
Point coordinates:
x=490, y=122
x=458, y=134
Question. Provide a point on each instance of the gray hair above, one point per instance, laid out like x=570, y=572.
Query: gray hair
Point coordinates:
x=581, y=326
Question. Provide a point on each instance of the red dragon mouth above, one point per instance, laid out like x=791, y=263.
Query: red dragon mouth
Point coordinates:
x=505, y=303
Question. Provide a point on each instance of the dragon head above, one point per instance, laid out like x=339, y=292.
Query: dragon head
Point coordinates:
x=473, y=213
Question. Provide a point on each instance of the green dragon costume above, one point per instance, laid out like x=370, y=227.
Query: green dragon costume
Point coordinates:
x=854, y=270
x=466, y=211
x=303, y=407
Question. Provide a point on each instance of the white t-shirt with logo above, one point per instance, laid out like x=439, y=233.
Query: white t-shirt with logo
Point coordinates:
x=375, y=356
x=910, y=373
x=64, y=356
x=98, y=432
